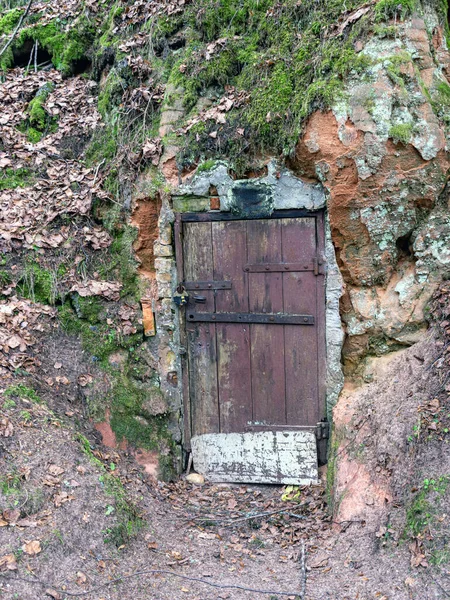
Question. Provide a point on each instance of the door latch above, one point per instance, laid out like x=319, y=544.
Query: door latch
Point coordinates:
x=200, y=299
x=180, y=297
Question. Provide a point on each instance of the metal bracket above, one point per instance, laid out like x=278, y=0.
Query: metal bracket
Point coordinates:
x=279, y=267
x=323, y=430
x=207, y=285
x=250, y=318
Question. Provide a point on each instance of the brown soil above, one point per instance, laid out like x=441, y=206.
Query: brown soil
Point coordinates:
x=60, y=488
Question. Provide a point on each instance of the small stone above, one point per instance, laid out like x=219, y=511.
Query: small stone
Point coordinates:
x=195, y=478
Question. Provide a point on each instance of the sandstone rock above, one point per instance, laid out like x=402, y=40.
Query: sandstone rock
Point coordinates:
x=195, y=478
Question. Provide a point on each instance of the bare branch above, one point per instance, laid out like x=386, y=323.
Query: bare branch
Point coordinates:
x=152, y=572
x=16, y=30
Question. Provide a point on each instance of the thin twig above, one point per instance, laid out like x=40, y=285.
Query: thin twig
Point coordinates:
x=19, y=25
x=446, y=593
x=303, y=569
x=246, y=518
x=35, y=55
x=29, y=62
x=46, y=584
x=97, y=170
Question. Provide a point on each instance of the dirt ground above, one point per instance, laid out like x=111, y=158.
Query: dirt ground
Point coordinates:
x=80, y=520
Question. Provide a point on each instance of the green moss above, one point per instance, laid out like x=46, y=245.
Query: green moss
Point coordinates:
x=103, y=146
x=129, y=418
x=207, y=165
x=167, y=470
x=108, y=37
x=88, y=308
x=123, y=264
x=38, y=283
x=5, y=278
x=110, y=94
x=443, y=89
x=14, y=178
x=9, y=21
x=127, y=515
x=385, y=31
x=64, y=47
x=22, y=391
x=268, y=51
x=387, y=9
x=333, y=449
x=401, y=133
x=34, y=136
x=39, y=122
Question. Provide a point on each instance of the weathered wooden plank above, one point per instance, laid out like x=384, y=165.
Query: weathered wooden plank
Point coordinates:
x=233, y=374
x=299, y=293
x=202, y=349
x=233, y=339
x=230, y=252
x=198, y=260
x=267, y=343
x=203, y=379
x=278, y=457
x=264, y=246
x=268, y=380
x=187, y=427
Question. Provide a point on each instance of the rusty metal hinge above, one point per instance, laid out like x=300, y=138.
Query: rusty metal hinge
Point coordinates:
x=319, y=265
x=323, y=430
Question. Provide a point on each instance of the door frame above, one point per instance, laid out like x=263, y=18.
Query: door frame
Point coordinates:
x=193, y=217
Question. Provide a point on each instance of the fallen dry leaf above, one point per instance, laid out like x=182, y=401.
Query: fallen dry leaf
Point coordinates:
x=32, y=548
x=8, y=562
x=55, y=470
x=6, y=427
x=62, y=498
x=11, y=515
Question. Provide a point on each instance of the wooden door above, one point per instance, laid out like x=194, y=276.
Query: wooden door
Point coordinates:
x=254, y=322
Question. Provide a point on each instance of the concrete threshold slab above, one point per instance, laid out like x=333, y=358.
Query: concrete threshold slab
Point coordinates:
x=273, y=457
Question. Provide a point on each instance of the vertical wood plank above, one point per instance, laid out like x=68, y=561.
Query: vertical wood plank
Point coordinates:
x=233, y=339
x=198, y=262
x=320, y=319
x=202, y=349
x=187, y=417
x=203, y=378
x=264, y=246
x=230, y=256
x=300, y=296
x=267, y=341
x=234, y=376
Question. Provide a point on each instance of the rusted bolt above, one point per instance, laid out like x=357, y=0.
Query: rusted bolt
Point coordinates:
x=196, y=285
x=213, y=318
x=247, y=269
x=287, y=268
x=271, y=318
x=305, y=319
x=209, y=284
x=305, y=266
x=267, y=268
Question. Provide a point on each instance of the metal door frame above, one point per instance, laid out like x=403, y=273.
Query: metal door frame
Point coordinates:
x=190, y=217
